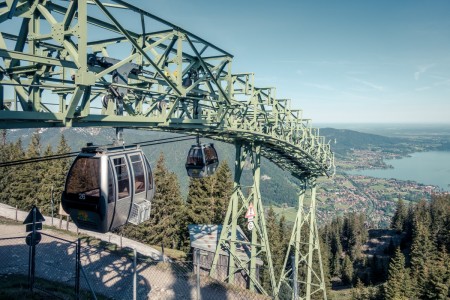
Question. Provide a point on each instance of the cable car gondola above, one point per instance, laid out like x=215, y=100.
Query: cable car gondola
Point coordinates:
x=108, y=186
x=202, y=160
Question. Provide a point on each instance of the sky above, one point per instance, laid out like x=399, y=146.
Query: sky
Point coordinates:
x=343, y=61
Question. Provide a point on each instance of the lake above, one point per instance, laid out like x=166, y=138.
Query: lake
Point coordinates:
x=431, y=168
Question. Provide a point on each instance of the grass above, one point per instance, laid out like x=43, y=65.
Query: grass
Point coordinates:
x=345, y=294
x=15, y=287
x=172, y=253
x=290, y=213
x=6, y=221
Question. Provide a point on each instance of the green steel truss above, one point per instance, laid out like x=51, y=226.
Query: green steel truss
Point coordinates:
x=237, y=207
x=99, y=63
x=302, y=275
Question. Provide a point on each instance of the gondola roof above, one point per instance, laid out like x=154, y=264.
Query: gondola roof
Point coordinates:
x=108, y=148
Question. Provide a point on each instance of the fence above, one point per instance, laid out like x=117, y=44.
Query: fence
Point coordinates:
x=105, y=271
x=54, y=260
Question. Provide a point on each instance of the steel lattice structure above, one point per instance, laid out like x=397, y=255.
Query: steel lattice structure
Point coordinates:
x=76, y=64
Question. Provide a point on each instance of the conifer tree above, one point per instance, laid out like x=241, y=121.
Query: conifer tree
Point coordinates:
x=168, y=208
x=199, y=203
x=5, y=156
x=11, y=184
x=208, y=197
x=440, y=220
x=278, y=243
x=336, y=265
x=409, y=224
x=166, y=222
x=221, y=189
x=399, y=218
x=422, y=250
x=31, y=173
x=284, y=234
x=325, y=255
x=398, y=286
x=422, y=214
x=43, y=195
x=61, y=168
x=273, y=234
x=438, y=286
x=347, y=270
x=359, y=292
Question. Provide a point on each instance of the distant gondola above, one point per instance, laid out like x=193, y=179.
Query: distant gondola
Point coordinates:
x=108, y=186
x=202, y=160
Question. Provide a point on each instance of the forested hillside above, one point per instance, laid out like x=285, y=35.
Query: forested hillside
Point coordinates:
x=278, y=186
x=408, y=261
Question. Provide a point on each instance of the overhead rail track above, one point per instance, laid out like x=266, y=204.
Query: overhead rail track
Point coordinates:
x=106, y=63
x=68, y=63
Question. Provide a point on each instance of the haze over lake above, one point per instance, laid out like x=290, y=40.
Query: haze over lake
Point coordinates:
x=431, y=168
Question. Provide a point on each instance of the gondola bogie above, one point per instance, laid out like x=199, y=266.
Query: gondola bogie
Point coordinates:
x=108, y=186
x=202, y=160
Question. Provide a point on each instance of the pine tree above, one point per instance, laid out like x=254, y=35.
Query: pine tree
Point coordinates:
x=325, y=255
x=408, y=225
x=440, y=220
x=61, y=168
x=438, y=286
x=422, y=249
x=399, y=218
x=336, y=266
x=5, y=156
x=422, y=213
x=199, y=203
x=166, y=222
x=354, y=234
x=359, y=292
x=273, y=234
x=398, y=286
x=221, y=189
x=347, y=270
x=11, y=192
x=43, y=195
x=284, y=234
x=31, y=173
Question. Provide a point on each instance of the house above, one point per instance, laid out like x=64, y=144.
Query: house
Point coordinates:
x=205, y=239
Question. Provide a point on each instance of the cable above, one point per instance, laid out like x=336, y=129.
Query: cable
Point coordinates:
x=72, y=154
x=37, y=159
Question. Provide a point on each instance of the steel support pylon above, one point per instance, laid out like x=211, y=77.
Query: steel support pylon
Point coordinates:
x=238, y=205
x=304, y=248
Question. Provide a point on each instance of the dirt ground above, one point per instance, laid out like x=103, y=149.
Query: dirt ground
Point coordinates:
x=109, y=273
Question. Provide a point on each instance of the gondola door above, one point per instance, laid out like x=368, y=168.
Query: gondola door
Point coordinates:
x=124, y=190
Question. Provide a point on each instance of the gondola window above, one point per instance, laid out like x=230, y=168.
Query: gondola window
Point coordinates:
x=139, y=174
x=111, y=187
x=123, y=178
x=84, y=178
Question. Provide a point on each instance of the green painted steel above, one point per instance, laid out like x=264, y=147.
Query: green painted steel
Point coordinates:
x=69, y=64
x=237, y=207
x=305, y=245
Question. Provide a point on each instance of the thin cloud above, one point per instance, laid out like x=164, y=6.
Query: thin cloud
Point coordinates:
x=319, y=86
x=422, y=69
x=441, y=81
x=424, y=88
x=368, y=84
